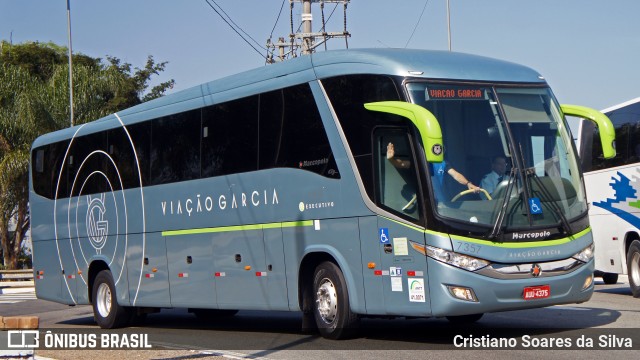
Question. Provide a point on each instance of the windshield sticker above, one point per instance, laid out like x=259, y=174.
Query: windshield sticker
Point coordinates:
x=535, y=206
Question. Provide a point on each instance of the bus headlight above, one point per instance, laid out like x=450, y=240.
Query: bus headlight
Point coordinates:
x=458, y=260
x=586, y=254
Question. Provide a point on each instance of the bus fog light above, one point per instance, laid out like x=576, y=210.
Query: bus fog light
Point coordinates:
x=462, y=293
x=587, y=282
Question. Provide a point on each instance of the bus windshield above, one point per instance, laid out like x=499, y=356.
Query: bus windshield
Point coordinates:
x=512, y=143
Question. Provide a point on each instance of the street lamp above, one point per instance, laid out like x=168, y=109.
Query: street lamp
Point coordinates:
x=449, y=24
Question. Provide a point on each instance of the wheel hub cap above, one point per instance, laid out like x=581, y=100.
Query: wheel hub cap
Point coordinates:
x=327, y=301
x=103, y=300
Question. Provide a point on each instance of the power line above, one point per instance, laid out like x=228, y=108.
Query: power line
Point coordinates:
x=277, y=19
x=236, y=25
x=417, y=23
x=233, y=28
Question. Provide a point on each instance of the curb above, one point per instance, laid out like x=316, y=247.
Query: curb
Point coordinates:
x=19, y=322
x=17, y=290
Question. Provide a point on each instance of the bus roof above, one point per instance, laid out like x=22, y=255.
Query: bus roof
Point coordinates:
x=426, y=64
x=621, y=105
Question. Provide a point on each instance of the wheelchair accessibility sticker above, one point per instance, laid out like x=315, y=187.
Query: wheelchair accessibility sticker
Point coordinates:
x=535, y=206
x=384, y=235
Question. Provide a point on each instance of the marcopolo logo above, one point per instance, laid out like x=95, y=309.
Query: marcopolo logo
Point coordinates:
x=530, y=235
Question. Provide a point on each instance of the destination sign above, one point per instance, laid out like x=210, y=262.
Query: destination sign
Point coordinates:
x=454, y=93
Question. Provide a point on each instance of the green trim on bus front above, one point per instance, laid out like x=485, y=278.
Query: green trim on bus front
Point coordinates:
x=605, y=127
x=238, y=228
x=423, y=119
x=520, y=245
x=499, y=244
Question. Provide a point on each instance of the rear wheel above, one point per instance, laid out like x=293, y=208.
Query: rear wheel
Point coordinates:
x=464, y=319
x=106, y=311
x=633, y=267
x=331, y=306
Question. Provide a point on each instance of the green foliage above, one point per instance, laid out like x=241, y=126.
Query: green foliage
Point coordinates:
x=34, y=100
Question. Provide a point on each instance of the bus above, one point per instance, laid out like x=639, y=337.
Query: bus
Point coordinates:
x=613, y=187
x=273, y=189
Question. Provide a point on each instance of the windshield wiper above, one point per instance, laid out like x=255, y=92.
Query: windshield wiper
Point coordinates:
x=531, y=172
x=497, y=228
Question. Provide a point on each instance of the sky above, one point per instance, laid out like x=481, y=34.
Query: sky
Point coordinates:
x=588, y=50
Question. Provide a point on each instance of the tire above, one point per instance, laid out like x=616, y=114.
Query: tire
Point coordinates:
x=633, y=268
x=464, y=319
x=610, y=278
x=106, y=311
x=331, y=308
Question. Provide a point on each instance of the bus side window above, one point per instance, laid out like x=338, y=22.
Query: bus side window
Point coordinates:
x=292, y=134
x=230, y=137
x=397, y=185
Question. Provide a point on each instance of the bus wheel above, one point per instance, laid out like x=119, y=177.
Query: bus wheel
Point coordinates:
x=633, y=267
x=331, y=307
x=464, y=319
x=610, y=278
x=106, y=311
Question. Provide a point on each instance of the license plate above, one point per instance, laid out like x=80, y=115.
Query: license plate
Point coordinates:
x=536, y=292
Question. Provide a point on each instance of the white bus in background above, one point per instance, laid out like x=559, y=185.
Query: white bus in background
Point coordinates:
x=613, y=191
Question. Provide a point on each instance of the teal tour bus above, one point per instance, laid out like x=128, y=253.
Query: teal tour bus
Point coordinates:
x=343, y=184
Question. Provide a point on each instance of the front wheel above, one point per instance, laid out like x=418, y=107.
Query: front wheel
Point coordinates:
x=331, y=307
x=106, y=311
x=633, y=267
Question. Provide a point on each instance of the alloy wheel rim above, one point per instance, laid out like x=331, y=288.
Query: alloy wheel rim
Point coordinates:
x=104, y=300
x=327, y=301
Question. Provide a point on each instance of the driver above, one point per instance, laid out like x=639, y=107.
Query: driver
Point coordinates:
x=498, y=167
x=437, y=170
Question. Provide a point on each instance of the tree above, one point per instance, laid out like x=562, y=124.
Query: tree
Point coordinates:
x=34, y=99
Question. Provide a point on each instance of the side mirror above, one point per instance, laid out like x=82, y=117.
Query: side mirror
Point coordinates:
x=423, y=119
x=605, y=127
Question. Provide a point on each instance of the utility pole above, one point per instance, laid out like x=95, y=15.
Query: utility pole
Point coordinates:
x=306, y=41
x=307, y=36
x=70, y=64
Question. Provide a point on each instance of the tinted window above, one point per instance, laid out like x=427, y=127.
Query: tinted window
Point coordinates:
x=175, y=145
x=87, y=166
x=121, y=153
x=141, y=135
x=626, y=121
x=348, y=94
x=46, y=161
x=292, y=134
x=230, y=137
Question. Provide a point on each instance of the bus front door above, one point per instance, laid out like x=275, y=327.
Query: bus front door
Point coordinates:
x=403, y=270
